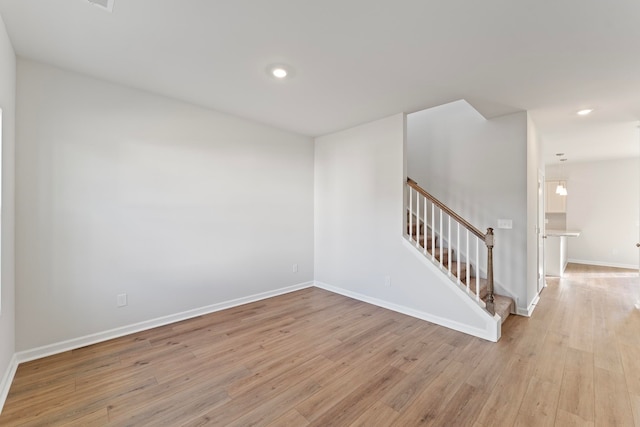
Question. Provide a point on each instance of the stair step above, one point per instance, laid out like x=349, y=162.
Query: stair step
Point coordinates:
x=412, y=229
x=445, y=254
x=429, y=240
x=421, y=236
x=472, y=286
x=454, y=268
x=463, y=269
x=503, y=306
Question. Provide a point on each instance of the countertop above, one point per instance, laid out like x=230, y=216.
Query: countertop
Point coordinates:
x=562, y=233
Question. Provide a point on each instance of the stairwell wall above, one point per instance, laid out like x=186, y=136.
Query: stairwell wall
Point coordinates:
x=7, y=251
x=535, y=167
x=478, y=167
x=359, y=208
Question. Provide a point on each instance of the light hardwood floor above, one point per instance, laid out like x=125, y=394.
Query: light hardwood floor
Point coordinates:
x=316, y=358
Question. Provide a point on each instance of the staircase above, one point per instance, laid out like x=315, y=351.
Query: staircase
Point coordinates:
x=437, y=231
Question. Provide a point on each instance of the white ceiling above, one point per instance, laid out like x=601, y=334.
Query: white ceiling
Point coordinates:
x=360, y=60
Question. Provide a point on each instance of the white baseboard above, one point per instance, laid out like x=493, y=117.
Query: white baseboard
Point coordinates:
x=447, y=323
x=59, y=347
x=7, y=379
x=529, y=311
x=603, y=264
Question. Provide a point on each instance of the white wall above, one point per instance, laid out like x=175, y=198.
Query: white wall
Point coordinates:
x=7, y=298
x=479, y=168
x=602, y=203
x=122, y=191
x=359, y=187
x=535, y=166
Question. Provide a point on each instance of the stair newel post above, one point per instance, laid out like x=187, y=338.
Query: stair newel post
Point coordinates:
x=488, y=240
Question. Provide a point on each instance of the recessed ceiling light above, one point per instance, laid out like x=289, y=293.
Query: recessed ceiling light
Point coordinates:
x=280, y=71
x=584, y=112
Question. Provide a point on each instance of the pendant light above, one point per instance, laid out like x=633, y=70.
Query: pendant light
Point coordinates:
x=561, y=189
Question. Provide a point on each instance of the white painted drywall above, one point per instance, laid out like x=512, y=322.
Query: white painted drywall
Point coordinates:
x=122, y=191
x=535, y=166
x=7, y=277
x=479, y=168
x=359, y=191
x=602, y=203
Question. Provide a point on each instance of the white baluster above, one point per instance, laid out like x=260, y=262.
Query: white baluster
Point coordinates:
x=410, y=214
x=477, y=269
x=458, y=248
x=449, y=246
x=441, y=248
x=433, y=231
x=468, y=281
x=424, y=227
x=417, y=220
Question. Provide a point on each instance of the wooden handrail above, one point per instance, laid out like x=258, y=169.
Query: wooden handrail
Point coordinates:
x=445, y=208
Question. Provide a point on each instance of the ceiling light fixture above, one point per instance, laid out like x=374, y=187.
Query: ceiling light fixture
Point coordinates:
x=280, y=71
x=584, y=112
x=561, y=189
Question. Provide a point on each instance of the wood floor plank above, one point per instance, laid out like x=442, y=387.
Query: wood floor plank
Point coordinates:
x=635, y=407
x=90, y=401
x=435, y=397
x=291, y=418
x=606, y=354
x=568, y=419
x=492, y=362
x=312, y=357
x=532, y=346
x=612, y=403
x=577, y=389
x=549, y=363
x=354, y=404
x=408, y=389
x=129, y=406
x=379, y=414
x=631, y=363
x=282, y=365
x=506, y=397
x=581, y=335
x=340, y=380
x=175, y=409
x=97, y=418
x=253, y=404
x=356, y=341
x=539, y=404
x=34, y=405
x=463, y=407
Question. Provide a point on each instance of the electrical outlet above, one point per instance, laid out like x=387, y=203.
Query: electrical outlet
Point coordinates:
x=387, y=281
x=295, y=268
x=122, y=300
